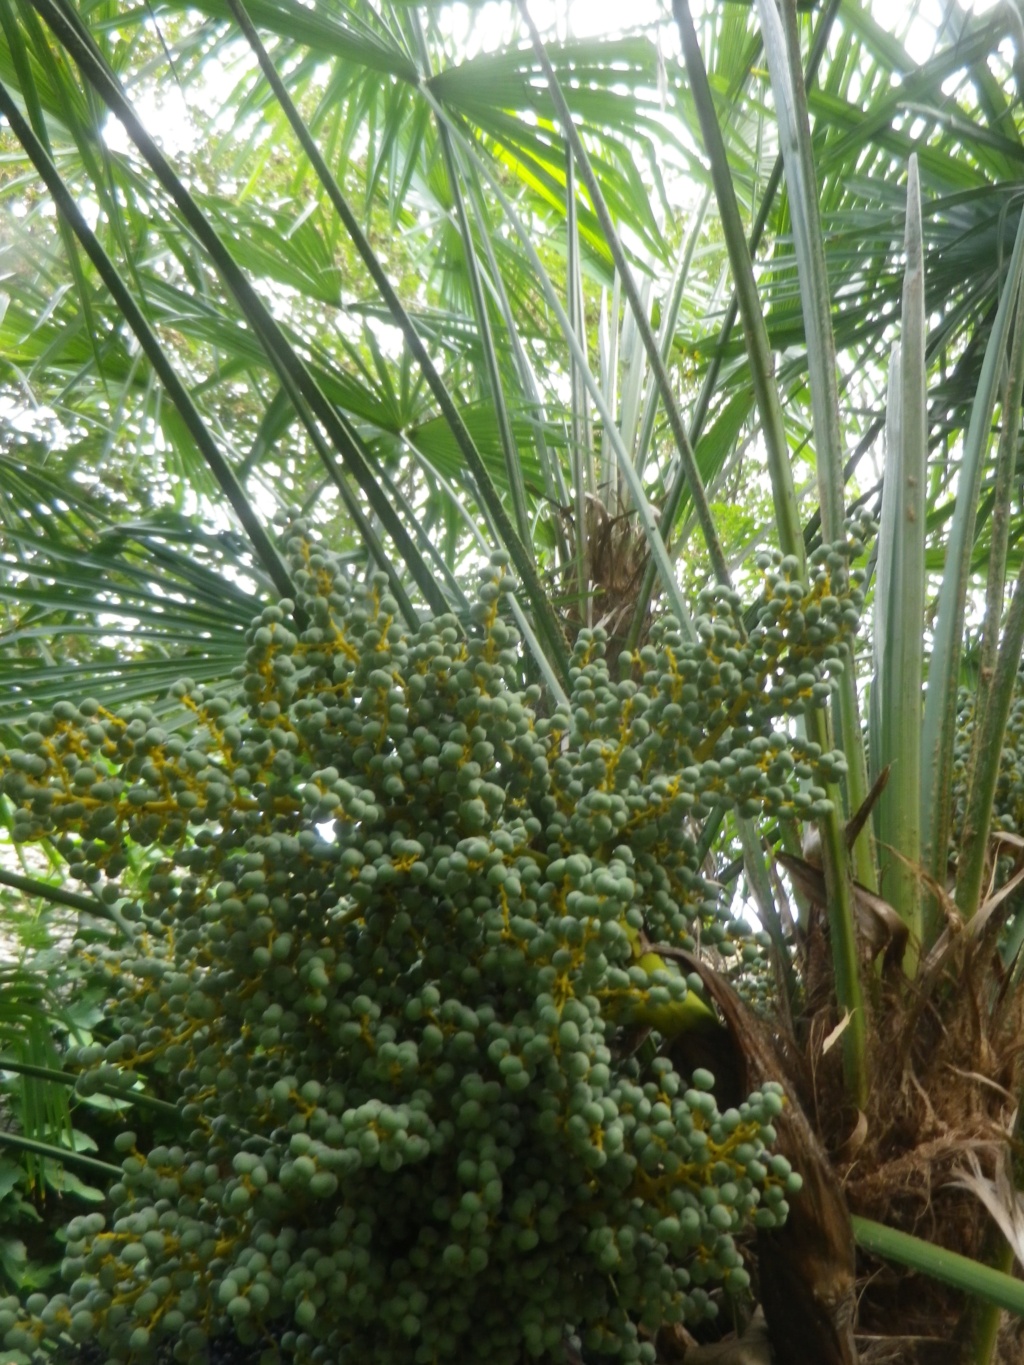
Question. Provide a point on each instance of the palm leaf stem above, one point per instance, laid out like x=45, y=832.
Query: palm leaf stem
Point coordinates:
x=812, y=530
x=988, y=1317
x=265, y=549
x=622, y=266
x=552, y=682
x=56, y=895
x=940, y=710
x=782, y=50
x=900, y=595
x=630, y=475
x=580, y=446
x=69, y=1078
x=65, y=1155
x=513, y=464
x=551, y=679
x=430, y=550
x=37, y=119
x=991, y=727
x=367, y=531
x=75, y=37
x=984, y=1321
x=879, y=568
x=787, y=516
x=554, y=479
x=708, y=834
x=999, y=533
x=709, y=385
x=673, y=498
x=611, y=339
x=819, y=45
x=949, y=1267
x=762, y=369
x=496, y=391
x=550, y=629
x=845, y=961
x=760, y=884
x=274, y=412
x=670, y=316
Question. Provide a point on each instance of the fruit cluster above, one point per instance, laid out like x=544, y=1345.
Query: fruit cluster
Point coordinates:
x=388, y=909
x=1008, y=800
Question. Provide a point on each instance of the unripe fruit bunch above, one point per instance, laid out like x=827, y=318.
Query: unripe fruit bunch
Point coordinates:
x=385, y=951
x=1008, y=798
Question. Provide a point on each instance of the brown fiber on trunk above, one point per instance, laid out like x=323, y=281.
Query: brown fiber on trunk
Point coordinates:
x=807, y=1268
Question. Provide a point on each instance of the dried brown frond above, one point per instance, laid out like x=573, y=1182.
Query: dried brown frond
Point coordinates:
x=615, y=559
x=948, y=1063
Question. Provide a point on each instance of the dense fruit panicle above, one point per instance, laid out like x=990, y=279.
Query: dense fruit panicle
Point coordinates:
x=1008, y=799
x=386, y=937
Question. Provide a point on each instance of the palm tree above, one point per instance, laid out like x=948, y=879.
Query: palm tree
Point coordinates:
x=436, y=288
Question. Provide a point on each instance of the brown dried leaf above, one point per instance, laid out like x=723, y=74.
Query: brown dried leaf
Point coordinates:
x=857, y=1138
x=879, y=928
